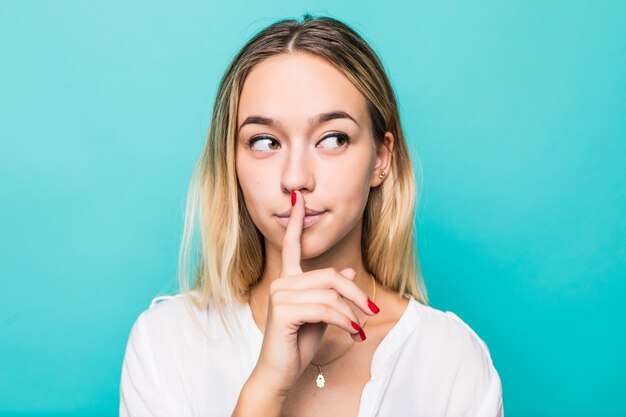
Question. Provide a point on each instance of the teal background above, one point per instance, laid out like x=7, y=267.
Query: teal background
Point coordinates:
x=516, y=111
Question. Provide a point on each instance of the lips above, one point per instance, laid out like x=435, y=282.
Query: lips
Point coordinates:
x=307, y=212
x=311, y=217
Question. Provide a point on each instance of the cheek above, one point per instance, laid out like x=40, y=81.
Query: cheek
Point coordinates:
x=347, y=182
x=256, y=186
x=251, y=188
x=346, y=190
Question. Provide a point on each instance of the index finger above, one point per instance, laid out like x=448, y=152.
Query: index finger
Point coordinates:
x=291, y=251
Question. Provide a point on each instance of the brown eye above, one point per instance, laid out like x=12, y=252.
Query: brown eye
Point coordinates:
x=335, y=140
x=263, y=144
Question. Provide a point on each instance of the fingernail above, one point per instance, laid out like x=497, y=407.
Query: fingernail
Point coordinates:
x=373, y=306
x=293, y=198
x=360, y=330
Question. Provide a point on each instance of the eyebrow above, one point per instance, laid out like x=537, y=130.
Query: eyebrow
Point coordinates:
x=320, y=118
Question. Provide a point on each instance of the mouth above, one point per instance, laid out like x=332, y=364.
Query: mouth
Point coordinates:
x=310, y=219
x=307, y=212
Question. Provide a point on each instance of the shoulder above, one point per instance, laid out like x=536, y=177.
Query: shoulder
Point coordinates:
x=164, y=310
x=167, y=320
x=150, y=346
x=445, y=330
x=462, y=361
x=183, y=318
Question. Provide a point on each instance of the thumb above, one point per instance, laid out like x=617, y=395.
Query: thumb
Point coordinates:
x=348, y=273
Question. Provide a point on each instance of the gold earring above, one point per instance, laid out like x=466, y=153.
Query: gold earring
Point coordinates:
x=382, y=175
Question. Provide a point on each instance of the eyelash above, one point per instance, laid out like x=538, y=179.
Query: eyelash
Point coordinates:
x=343, y=136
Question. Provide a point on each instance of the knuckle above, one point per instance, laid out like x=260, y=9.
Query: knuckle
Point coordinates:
x=280, y=310
x=347, y=323
x=275, y=286
x=331, y=297
x=278, y=296
x=330, y=277
x=322, y=309
x=330, y=270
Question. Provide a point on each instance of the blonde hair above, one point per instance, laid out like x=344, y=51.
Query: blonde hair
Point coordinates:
x=230, y=256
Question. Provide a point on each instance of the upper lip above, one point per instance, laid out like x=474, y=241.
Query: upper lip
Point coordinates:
x=307, y=212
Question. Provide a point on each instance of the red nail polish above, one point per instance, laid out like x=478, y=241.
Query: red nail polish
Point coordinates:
x=361, y=332
x=293, y=198
x=373, y=306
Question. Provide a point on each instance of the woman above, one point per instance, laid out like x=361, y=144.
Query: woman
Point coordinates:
x=307, y=298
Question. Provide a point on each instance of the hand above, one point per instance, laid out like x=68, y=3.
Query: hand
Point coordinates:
x=301, y=306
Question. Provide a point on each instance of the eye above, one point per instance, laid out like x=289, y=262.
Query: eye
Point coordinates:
x=263, y=143
x=334, y=140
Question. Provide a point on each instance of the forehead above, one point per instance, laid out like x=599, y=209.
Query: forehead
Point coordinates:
x=296, y=86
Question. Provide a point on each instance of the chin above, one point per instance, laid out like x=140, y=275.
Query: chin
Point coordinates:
x=316, y=245
x=312, y=248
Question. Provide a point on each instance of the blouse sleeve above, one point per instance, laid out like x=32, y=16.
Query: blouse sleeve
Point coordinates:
x=492, y=402
x=140, y=386
x=477, y=389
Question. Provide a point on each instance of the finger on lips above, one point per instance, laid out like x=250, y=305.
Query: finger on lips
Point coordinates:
x=291, y=241
x=328, y=286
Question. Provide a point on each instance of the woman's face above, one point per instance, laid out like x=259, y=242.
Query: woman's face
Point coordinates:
x=285, y=142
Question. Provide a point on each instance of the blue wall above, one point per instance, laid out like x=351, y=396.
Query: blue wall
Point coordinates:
x=515, y=110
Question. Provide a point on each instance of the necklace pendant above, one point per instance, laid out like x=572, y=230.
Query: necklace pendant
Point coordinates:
x=320, y=381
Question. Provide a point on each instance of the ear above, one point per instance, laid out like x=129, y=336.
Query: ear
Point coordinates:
x=384, y=154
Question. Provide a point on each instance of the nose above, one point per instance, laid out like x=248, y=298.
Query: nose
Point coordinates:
x=297, y=172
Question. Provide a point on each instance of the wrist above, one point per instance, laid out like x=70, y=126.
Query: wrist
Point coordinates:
x=256, y=398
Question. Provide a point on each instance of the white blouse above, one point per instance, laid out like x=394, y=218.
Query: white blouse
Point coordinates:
x=429, y=364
